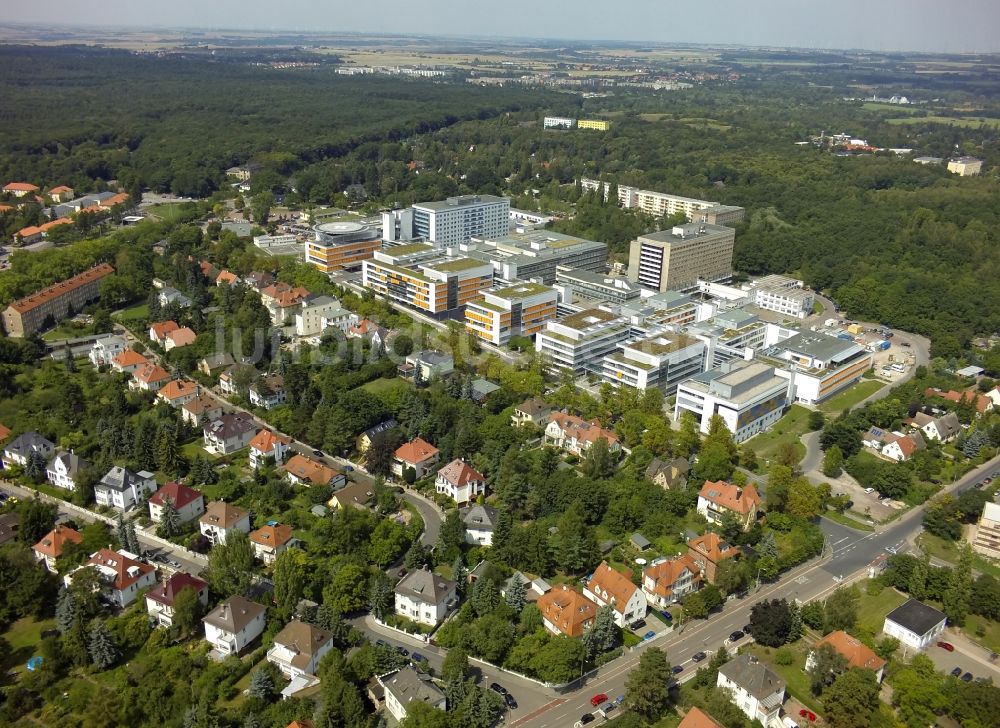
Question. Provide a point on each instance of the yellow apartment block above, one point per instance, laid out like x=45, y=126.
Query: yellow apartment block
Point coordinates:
x=596, y=124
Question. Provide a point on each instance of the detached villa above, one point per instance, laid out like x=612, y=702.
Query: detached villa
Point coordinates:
x=718, y=498
x=575, y=435
x=122, y=489
x=460, y=482
x=160, y=599
x=608, y=587
x=424, y=597
x=234, y=624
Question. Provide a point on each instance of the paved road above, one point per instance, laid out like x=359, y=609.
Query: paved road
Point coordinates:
x=192, y=565
x=429, y=512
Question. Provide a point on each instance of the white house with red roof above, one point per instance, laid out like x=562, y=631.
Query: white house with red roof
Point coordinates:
x=417, y=454
x=121, y=576
x=178, y=391
x=460, y=482
x=715, y=499
x=610, y=588
x=188, y=503
x=902, y=447
x=149, y=378
x=576, y=435
x=268, y=445
x=19, y=189
x=665, y=582
x=269, y=541
x=62, y=193
x=128, y=361
x=160, y=599
x=181, y=337
x=158, y=331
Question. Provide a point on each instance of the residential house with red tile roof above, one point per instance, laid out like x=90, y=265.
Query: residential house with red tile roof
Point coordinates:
x=715, y=499
x=4, y=432
x=902, y=447
x=267, y=444
x=856, y=652
x=183, y=336
x=460, y=481
x=302, y=470
x=158, y=331
x=128, y=361
x=269, y=541
x=710, y=550
x=53, y=545
x=665, y=582
x=576, y=435
x=980, y=401
x=122, y=577
x=149, y=378
x=160, y=599
x=566, y=611
x=178, y=391
x=283, y=301
x=698, y=718
x=226, y=278
x=417, y=454
x=610, y=588
x=188, y=503
x=62, y=193
x=19, y=189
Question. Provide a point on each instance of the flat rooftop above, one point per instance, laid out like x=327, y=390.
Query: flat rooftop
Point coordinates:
x=408, y=249
x=454, y=203
x=662, y=344
x=455, y=265
x=820, y=346
x=520, y=290
x=691, y=231
x=589, y=317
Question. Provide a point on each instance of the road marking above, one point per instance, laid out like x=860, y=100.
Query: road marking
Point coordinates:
x=841, y=540
x=537, y=712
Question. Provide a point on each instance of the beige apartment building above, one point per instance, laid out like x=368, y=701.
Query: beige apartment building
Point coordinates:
x=26, y=315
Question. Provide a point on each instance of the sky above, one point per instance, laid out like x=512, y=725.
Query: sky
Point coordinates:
x=951, y=26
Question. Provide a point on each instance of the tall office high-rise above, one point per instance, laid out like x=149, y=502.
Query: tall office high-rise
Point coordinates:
x=676, y=259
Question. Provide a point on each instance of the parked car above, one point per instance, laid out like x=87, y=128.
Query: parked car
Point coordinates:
x=381, y=643
x=509, y=700
x=598, y=699
x=677, y=669
x=667, y=615
x=417, y=657
x=319, y=454
x=745, y=629
x=619, y=700
x=869, y=490
x=637, y=625
x=587, y=718
x=967, y=677
x=498, y=688
x=698, y=656
x=946, y=646
x=403, y=651
x=736, y=636
x=649, y=635
x=956, y=672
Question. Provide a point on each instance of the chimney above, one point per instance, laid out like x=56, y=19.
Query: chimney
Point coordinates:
x=739, y=493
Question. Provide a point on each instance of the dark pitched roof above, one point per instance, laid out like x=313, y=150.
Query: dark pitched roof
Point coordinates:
x=234, y=614
x=426, y=586
x=757, y=679
x=479, y=518
x=916, y=616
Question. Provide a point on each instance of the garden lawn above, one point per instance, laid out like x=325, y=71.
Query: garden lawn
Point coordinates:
x=380, y=386
x=872, y=609
x=788, y=429
x=23, y=636
x=948, y=551
x=991, y=631
x=851, y=396
x=134, y=313
x=794, y=675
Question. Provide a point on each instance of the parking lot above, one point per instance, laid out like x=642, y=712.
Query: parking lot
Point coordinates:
x=966, y=658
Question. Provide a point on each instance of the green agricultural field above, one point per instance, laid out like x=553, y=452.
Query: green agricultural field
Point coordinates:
x=964, y=122
x=875, y=106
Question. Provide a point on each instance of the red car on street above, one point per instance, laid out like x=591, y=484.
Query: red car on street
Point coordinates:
x=946, y=646
x=598, y=699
